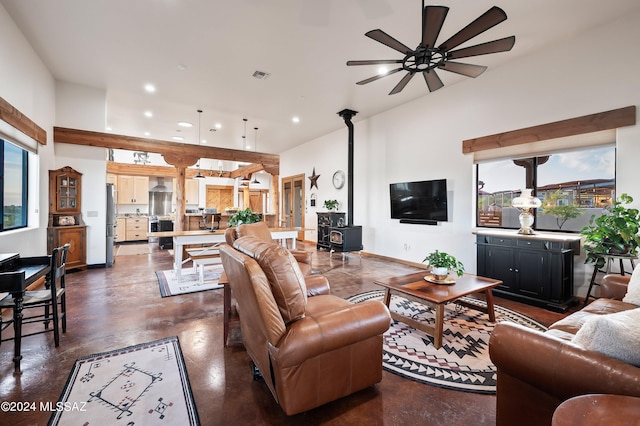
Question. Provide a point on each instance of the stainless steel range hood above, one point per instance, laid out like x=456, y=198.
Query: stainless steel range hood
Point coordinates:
x=160, y=186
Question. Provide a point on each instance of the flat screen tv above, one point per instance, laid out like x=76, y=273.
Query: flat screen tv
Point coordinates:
x=419, y=202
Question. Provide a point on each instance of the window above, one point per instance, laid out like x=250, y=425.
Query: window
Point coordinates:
x=572, y=185
x=13, y=178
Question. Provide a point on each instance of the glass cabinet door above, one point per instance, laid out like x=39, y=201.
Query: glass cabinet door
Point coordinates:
x=67, y=192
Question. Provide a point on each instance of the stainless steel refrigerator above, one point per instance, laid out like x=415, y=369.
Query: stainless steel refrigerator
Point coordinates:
x=111, y=223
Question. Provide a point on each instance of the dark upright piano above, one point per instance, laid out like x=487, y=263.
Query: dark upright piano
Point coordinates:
x=16, y=274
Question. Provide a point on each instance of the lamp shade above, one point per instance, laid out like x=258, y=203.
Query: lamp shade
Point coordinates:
x=526, y=200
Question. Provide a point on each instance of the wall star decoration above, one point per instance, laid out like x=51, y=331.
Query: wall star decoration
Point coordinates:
x=314, y=179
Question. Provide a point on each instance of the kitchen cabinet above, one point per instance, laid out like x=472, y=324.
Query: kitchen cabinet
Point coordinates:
x=133, y=189
x=121, y=230
x=192, y=191
x=136, y=228
x=537, y=270
x=65, y=216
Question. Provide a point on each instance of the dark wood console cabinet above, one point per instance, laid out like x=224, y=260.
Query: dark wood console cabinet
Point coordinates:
x=534, y=269
x=326, y=221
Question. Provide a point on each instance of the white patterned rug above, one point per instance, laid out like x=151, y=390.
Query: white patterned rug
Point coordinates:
x=189, y=280
x=462, y=363
x=145, y=384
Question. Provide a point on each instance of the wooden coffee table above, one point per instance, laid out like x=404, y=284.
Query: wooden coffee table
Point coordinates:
x=415, y=287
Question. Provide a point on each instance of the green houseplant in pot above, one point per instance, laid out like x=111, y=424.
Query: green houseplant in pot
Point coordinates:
x=613, y=233
x=243, y=216
x=441, y=263
x=331, y=205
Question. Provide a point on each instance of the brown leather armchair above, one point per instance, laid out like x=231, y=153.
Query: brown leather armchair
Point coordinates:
x=538, y=371
x=309, y=350
x=261, y=230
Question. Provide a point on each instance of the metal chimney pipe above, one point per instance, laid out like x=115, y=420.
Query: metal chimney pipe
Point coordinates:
x=347, y=114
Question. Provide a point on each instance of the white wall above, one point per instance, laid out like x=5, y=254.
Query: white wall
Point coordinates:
x=422, y=140
x=27, y=85
x=80, y=107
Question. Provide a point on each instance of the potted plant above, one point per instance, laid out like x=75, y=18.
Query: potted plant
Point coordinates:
x=331, y=205
x=441, y=263
x=243, y=216
x=613, y=233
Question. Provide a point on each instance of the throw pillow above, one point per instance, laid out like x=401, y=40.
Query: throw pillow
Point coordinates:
x=633, y=289
x=615, y=335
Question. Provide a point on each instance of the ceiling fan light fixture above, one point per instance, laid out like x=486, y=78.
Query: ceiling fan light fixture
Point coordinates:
x=426, y=58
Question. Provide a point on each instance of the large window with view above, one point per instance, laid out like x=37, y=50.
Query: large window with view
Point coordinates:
x=572, y=185
x=13, y=177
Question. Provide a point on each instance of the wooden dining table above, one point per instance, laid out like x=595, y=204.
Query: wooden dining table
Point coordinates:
x=16, y=274
x=183, y=238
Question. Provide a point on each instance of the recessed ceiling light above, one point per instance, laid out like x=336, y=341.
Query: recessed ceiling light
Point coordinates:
x=148, y=114
x=218, y=126
x=147, y=133
x=108, y=128
x=184, y=124
x=296, y=119
x=150, y=88
x=177, y=138
x=203, y=141
x=182, y=67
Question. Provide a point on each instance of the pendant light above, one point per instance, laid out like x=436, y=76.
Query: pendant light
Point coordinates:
x=199, y=175
x=255, y=143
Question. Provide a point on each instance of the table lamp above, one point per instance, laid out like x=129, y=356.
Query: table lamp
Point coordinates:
x=525, y=202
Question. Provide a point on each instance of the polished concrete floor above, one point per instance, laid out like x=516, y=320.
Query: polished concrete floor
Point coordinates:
x=109, y=308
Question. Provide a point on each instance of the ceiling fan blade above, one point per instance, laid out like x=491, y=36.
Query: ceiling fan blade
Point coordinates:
x=375, y=62
x=387, y=40
x=468, y=70
x=432, y=20
x=433, y=81
x=377, y=77
x=495, y=46
x=402, y=83
x=489, y=19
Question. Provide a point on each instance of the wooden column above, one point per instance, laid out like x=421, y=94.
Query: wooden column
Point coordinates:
x=181, y=162
x=275, y=197
x=181, y=201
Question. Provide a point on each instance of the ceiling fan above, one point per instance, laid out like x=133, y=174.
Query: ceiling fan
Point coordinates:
x=428, y=57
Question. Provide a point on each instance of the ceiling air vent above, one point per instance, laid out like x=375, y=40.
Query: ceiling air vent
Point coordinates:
x=261, y=75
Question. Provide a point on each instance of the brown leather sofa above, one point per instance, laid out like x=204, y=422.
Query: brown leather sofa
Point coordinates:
x=310, y=347
x=261, y=230
x=538, y=371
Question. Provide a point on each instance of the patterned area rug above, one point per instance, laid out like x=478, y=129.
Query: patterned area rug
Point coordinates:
x=189, y=281
x=462, y=363
x=132, y=249
x=145, y=384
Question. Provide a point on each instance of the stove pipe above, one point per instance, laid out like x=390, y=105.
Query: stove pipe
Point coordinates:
x=347, y=114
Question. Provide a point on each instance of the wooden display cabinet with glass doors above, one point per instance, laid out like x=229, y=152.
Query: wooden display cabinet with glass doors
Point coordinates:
x=65, y=216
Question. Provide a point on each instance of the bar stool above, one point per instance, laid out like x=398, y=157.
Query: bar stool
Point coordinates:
x=609, y=259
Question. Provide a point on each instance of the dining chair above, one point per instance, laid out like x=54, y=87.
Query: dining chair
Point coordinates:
x=47, y=300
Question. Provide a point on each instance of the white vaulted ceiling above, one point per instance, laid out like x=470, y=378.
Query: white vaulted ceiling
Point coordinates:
x=201, y=54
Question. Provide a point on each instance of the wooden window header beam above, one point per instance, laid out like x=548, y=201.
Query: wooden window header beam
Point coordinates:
x=15, y=118
x=574, y=126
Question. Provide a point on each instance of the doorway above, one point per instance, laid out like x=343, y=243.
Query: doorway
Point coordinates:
x=293, y=203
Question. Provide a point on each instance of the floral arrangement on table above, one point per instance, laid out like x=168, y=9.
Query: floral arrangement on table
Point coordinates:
x=441, y=263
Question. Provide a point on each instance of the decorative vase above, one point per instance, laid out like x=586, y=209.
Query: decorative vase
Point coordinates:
x=440, y=273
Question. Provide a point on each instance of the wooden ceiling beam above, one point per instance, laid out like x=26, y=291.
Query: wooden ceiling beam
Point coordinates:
x=574, y=126
x=177, y=152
